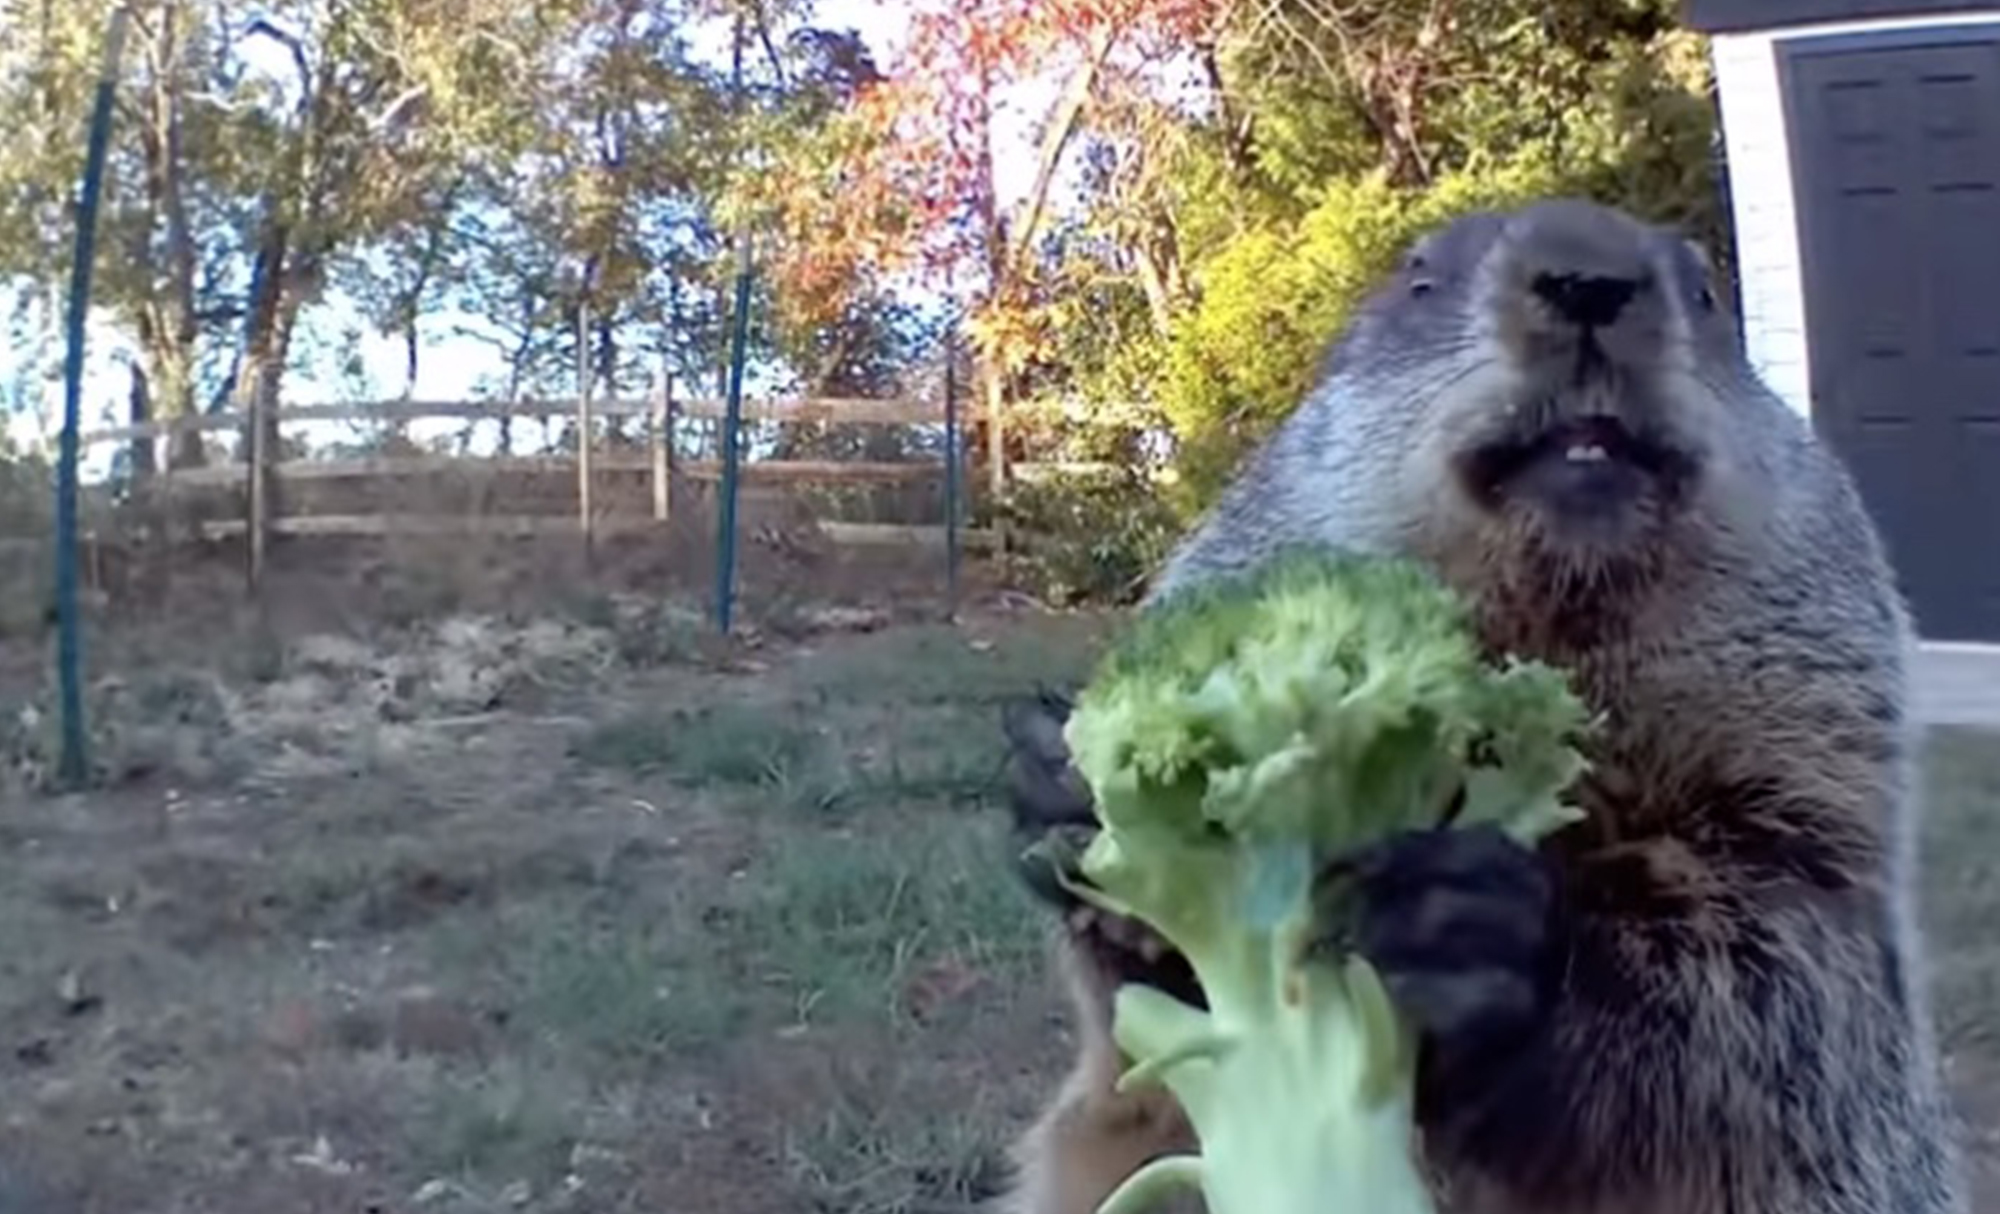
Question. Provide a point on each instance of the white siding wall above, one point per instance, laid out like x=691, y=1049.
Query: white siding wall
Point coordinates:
x=1760, y=188
x=1760, y=182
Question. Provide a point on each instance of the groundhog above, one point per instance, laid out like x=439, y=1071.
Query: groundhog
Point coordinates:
x=1707, y=998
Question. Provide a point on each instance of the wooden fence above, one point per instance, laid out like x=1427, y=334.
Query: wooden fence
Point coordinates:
x=659, y=460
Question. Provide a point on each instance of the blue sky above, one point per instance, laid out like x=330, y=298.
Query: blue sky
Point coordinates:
x=451, y=366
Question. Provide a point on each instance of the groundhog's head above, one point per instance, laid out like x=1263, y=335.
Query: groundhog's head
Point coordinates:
x=1567, y=375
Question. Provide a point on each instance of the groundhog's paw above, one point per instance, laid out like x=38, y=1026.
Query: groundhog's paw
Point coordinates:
x=1054, y=823
x=1050, y=866
x=1053, y=817
x=1043, y=790
x=1124, y=950
x=1460, y=924
x=1140, y=944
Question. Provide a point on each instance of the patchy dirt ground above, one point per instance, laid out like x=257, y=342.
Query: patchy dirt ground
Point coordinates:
x=585, y=915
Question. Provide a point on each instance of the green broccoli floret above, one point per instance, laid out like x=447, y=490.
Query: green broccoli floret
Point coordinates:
x=1240, y=737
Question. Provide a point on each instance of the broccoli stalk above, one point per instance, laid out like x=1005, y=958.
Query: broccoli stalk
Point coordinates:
x=1242, y=736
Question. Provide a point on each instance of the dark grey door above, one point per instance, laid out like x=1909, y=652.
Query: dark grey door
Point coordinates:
x=1896, y=182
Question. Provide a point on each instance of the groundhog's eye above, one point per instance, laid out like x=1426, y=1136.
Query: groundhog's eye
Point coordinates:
x=1699, y=269
x=1420, y=280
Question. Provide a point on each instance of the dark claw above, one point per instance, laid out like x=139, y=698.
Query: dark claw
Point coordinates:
x=1461, y=925
x=1044, y=789
x=1053, y=816
x=1054, y=822
x=1050, y=865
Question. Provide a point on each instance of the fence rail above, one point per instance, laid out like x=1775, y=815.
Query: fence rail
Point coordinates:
x=388, y=467
x=373, y=525
x=811, y=410
x=651, y=453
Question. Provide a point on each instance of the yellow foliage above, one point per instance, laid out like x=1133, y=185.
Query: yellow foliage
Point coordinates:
x=1273, y=298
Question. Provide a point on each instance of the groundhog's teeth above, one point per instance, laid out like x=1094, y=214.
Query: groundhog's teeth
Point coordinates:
x=1585, y=454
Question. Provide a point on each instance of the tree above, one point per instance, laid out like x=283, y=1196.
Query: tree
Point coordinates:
x=169, y=195
x=257, y=146
x=908, y=190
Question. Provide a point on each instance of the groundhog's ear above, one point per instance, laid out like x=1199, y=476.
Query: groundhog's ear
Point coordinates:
x=1707, y=283
x=1699, y=251
x=1417, y=254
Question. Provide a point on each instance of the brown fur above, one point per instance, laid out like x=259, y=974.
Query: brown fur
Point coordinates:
x=1742, y=1028
x=1091, y=1137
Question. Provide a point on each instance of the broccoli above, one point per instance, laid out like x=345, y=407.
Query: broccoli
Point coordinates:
x=1239, y=737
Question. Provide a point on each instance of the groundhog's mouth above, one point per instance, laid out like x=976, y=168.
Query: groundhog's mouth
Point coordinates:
x=1575, y=466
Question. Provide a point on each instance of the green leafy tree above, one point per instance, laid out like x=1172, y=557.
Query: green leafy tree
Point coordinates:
x=257, y=148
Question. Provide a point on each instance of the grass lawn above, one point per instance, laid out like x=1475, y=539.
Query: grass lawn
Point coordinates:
x=573, y=918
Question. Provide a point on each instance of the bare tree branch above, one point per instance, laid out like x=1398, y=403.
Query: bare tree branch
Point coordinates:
x=1062, y=125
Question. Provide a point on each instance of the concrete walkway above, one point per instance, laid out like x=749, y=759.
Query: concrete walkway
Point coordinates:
x=1958, y=684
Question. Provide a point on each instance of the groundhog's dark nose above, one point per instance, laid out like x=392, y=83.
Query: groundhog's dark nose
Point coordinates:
x=1590, y=300
x=1580, y=264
